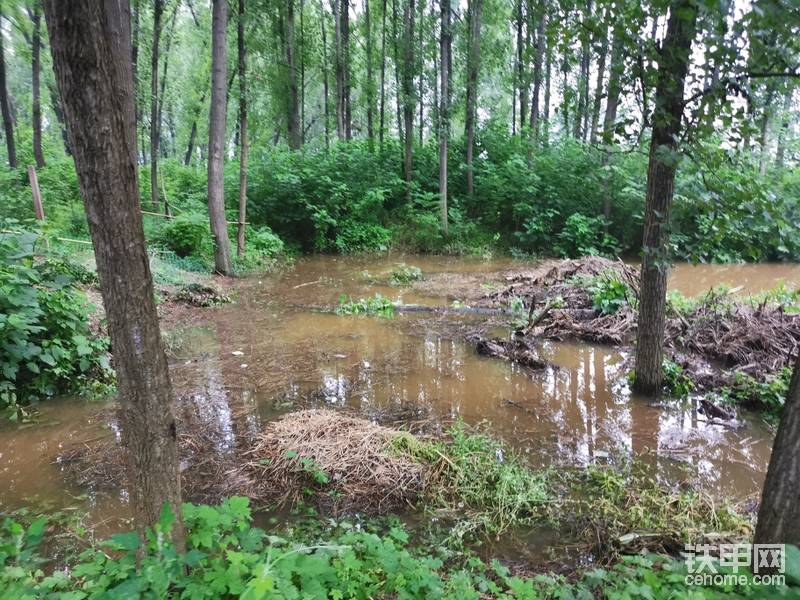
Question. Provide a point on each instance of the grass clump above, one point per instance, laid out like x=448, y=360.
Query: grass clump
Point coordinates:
x=768, y=395
x=474, y=478
x=377, y=306
x=404, y=274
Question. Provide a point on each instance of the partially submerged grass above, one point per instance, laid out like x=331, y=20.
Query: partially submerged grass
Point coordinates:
x=403, y=274
x=475, y=480
x=378, y=305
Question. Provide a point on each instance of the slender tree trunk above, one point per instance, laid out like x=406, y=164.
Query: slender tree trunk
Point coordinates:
x=302, y=74
x=135, y=64
x=779, y=512
x=91, y=48
x=370, y=88
x=36, y=109
x=522, y=57
x=325, y=87
x=547, y=76
x=421, y=70
x=783, y=134
x=216, y=137
x=244, y=146
x=382, y=117
x=338, y=68
x=579, y=131
x=58, y=110
x=408, y=92
x=614, y=87
x=158, y=11
x=5, y=107
x=348, y=109
x=537, y=71
x=672, y=69
x=163, y=91
x=473, y=64
x=293, y=112
x=193, y=131
x=764, y=128
x=445, y=48
x=397, y=87
x=598, y=92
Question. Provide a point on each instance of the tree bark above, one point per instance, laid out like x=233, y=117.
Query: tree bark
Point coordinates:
x=346, y=74
x=5, y=106
x=420, y=66
x=216, y=137
x=58, y=110
x=158, y=10
x=36, y=69
x=783, y=134
x=667, y=112
x=244, y=145
x=473, y=64
x=408, y=92
x=382, y=117
x=338, y=68
x=397, y=86
x=445, y=49
x=614, y=87
x=779, y=512
x=579, y=130
x=91, y=48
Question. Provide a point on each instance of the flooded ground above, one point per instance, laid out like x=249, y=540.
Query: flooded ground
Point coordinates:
x=238, y=365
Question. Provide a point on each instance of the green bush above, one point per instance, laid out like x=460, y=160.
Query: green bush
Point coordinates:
x=187, y=234
x=45, y=344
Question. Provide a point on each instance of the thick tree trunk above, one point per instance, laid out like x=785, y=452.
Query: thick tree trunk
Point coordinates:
x=408, y=92
x=672, y=69
x=90, y=43
x=244, y=146
x=293, y=106
x=158, y=11
x=5, y=107
x=598, y=91
x=779, y=512
x=445, y=49
x=382, y=117
x=36, y=69
x=325, y=86
x=216, y=137
x=370, y=88
x=473, y=64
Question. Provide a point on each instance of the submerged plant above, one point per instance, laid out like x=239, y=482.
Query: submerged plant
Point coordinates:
x=404, y=274
x=377, y=305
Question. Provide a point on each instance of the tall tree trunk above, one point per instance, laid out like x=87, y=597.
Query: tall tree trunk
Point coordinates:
x=421, y=70
x=36, y=68
x=5, y=106
x=216, y=137
x=537, y=70
x=445, y=50
x=614, y=87
x=779, y=512
x=293, y=106
x=302, y=74
x=193, y=131
x=397, y=87
x=348, y=109
x=58, y=110
x=473, y=64
x=598, y=91
x=163, y=86
x=91, y=48
x=370, y=89
x=408, y=92
x=764, y=128
x=522, y=57
x=338, y=68
x=325, y=87
x=382, y=117
x=579, y=131
x=158, y=11
x=244, y=145
x=547, y=77
x=673, y=65
x=783, y=134
x=135, y=63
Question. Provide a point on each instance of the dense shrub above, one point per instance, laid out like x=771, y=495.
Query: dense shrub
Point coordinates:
x=45, y=344
x=187, y=234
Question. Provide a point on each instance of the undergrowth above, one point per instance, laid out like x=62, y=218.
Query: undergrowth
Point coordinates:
x=377, y=305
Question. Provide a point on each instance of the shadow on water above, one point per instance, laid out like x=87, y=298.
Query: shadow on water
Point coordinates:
x=237, y=366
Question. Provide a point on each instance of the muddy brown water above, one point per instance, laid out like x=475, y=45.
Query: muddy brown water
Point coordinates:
x=238, y=365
